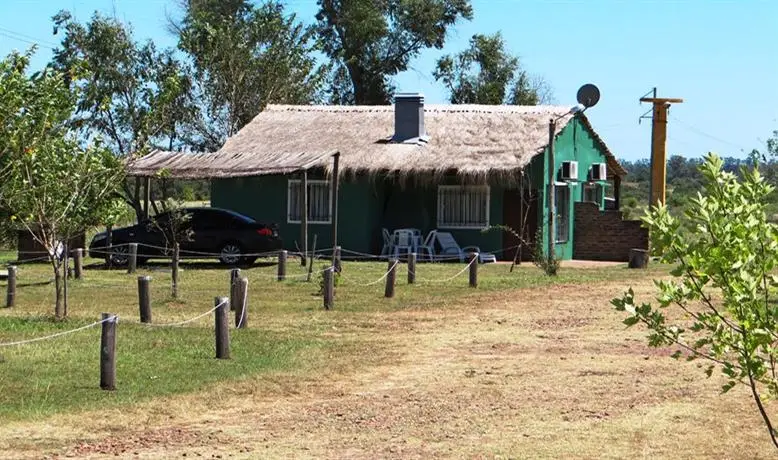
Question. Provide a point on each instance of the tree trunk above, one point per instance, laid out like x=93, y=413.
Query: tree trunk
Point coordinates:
x=59, y=310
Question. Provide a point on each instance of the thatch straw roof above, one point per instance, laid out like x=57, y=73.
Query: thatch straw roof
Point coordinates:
x=474, y=140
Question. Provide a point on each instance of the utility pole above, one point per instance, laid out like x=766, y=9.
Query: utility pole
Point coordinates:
x=658, y=145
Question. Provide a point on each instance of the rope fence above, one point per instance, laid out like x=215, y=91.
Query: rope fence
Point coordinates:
x=190, y=320
x=60, y=334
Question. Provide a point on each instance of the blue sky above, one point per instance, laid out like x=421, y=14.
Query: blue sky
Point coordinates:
x=721, y=57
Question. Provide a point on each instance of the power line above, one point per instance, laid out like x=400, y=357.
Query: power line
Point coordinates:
x=704, y=134
x=28, y=37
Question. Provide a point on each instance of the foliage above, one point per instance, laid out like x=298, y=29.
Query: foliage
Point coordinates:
x=549, y=263
x=723, y=286
x=486, y=73
x=369, y=42
x=132, y=95
x=174, y=223
x=320, y=279
x=55, y=187
x=244, y=58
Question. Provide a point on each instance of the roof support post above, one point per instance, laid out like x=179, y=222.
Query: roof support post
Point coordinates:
x=551, y=192
x=304, y=217
x=146, y=196
x=335, y=197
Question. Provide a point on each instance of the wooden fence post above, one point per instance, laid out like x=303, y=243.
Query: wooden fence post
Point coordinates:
x=132, y=262
x=10, y=298
x=174, y=286
x=108, y=352
x=473, y=269
x=390, y=278
x=337, y=262
x=242, y=309
x=78, y=262
x=282, y=256
x=144, y=298
x=234, y=284
x=222, y=328
x=329, y=288
x=412, y=268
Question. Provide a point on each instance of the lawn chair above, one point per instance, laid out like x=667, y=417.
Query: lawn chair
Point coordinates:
x=387, y=247
x=449, y=247
x=403, y=241
x=428, y=246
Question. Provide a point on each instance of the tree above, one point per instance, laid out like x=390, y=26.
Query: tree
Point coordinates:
x=244, y=58
x=371, y=41
x=724, y=284
x=486, y=73
x=54, y=187
x=132, y=95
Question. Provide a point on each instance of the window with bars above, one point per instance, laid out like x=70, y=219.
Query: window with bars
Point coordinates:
x=463, y=206
x=319, y=202
x=562, y=213
x=592, y=193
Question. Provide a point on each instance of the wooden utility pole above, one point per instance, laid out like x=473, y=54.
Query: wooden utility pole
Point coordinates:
x=658, y=145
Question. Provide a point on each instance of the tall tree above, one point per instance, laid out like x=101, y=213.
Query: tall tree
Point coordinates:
x=486, y=73
x=132, y=95
x=54, y=187
x=371, y=41
x=244, y=58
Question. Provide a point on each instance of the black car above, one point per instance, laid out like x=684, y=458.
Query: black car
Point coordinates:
x=202, y=233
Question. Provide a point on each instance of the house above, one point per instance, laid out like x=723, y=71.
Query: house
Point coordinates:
x=459, y=168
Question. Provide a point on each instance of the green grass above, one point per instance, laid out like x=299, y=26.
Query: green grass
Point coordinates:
x=288, y=327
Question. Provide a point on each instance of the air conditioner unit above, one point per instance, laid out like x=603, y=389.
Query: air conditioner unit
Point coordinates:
x=569, y=170
x=598, y=172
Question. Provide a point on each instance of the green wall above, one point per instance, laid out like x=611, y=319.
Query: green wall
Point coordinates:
x=574, y=143
x=366, y=205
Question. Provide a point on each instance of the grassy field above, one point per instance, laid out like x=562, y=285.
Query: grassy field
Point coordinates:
x=525, y=366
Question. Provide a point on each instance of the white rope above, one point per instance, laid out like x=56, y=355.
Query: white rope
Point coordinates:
x=452, y=277
x=59, y=334
x=396, y=262
x=245, y=301
x=181, y=323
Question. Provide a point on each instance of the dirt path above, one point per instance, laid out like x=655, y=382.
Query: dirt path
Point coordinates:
x=521, y=375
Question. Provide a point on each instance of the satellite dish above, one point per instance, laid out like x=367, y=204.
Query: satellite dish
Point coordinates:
x=588, y=95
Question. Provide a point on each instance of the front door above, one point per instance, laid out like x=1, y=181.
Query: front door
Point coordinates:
x=520, y=212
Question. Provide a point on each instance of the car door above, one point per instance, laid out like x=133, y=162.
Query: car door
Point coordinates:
x=208, y=227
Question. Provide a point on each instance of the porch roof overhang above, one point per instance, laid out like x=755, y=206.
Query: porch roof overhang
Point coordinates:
x=184, y=165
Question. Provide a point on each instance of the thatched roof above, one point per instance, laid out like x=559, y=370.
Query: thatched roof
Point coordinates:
x=473, y=140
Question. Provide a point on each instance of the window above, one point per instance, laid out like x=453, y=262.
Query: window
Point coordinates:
x=319, y=202
x=562, y=212
x=463, y=206
x=592, y=193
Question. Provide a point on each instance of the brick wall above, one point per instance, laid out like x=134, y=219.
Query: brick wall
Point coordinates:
x=605, y=235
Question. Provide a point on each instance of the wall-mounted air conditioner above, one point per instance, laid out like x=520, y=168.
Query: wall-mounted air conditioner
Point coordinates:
x=569, y=170
x=598, y=172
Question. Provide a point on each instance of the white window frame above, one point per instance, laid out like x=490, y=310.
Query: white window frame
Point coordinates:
x=295, y=184
x=462, y=188
x=598, y=191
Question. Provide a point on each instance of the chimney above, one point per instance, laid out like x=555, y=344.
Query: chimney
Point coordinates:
x=409, y=118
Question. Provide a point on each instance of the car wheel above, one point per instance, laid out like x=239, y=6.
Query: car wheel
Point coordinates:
x=230, y=253
x=119, y=255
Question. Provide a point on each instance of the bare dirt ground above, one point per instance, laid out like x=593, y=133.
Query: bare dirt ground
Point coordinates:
x=537, y=373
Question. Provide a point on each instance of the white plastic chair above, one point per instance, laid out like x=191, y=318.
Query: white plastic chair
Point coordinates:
x=427, y=245
x=387, y=247
x=403, y=241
